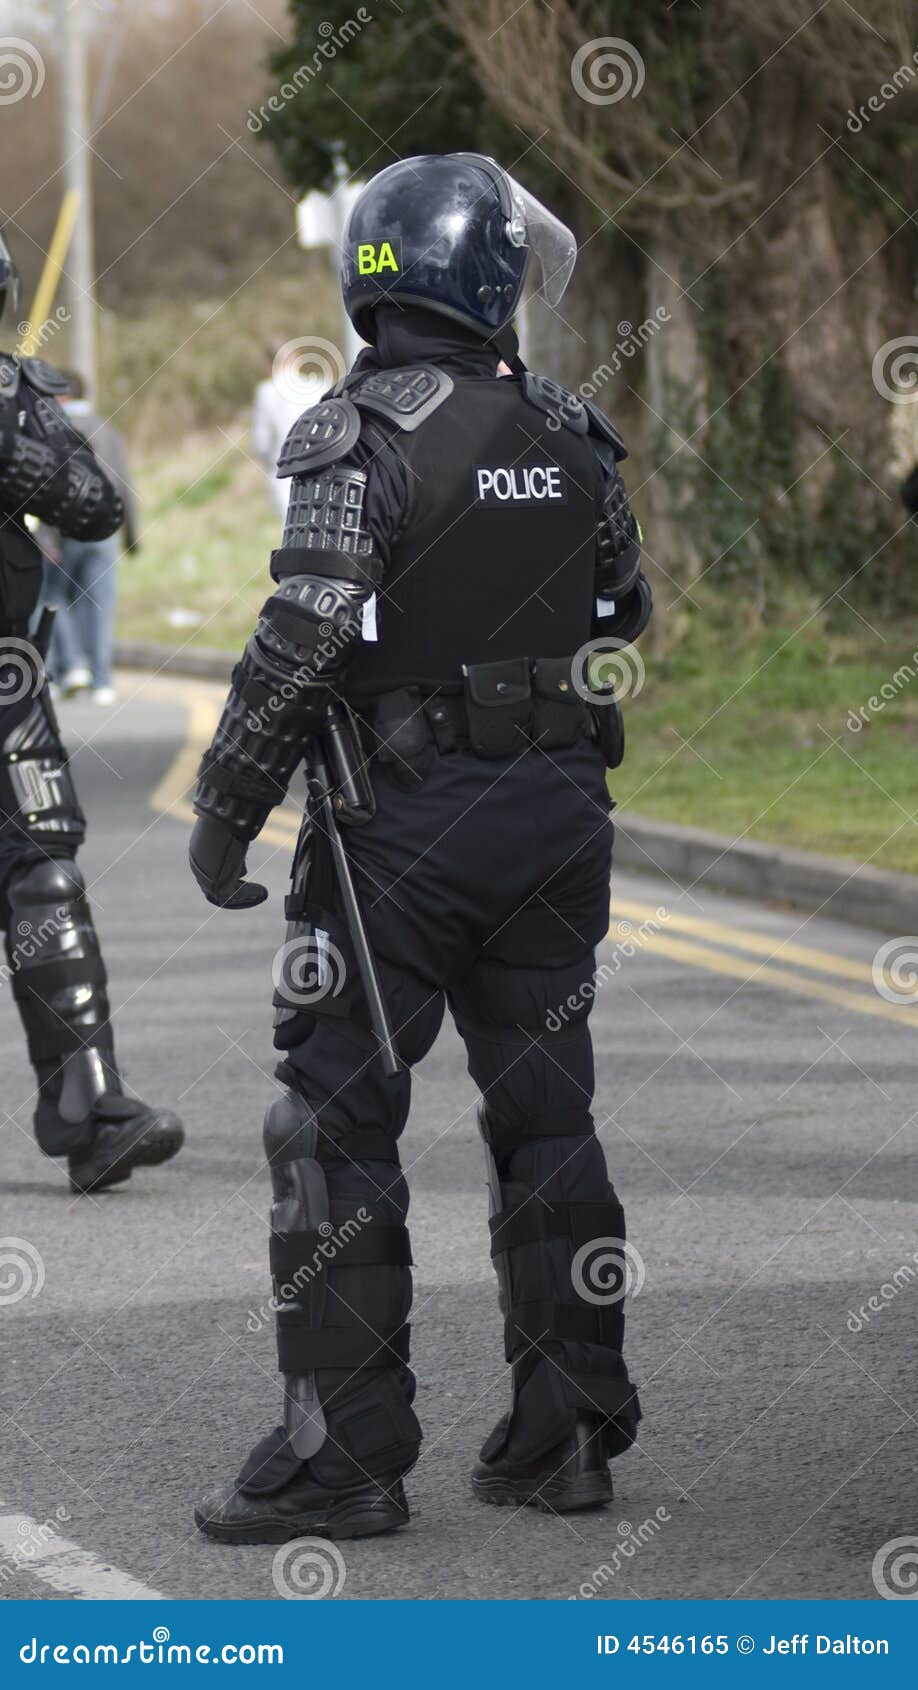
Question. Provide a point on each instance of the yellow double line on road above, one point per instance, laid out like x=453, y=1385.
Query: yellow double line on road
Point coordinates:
x=678, y=938
x=714, y=946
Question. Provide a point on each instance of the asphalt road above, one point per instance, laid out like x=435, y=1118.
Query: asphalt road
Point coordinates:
x=758, y=1108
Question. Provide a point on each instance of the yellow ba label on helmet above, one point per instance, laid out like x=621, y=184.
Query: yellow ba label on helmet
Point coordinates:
x=379, y=258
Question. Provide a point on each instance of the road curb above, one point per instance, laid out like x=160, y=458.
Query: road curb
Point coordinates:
x=843, y=891
x=692, y=856
x=175, y=660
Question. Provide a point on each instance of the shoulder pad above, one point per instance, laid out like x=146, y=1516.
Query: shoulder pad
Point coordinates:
x=550, y=397
x=601, y=426
x=322, y=435
x=43, y=377
x=358, y=372
x=406, y=397
x=9, y=376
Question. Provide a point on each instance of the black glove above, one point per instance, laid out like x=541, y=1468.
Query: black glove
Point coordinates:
x=217, y=861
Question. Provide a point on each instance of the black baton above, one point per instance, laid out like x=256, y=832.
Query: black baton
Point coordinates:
x=319, y=786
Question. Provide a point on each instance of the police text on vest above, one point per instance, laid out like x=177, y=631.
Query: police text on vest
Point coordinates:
x=522, y=485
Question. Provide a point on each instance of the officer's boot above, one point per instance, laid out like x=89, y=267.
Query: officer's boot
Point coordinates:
x=58, y=980
x=301, y=1508
x=575, y=1474
x=334, y=1469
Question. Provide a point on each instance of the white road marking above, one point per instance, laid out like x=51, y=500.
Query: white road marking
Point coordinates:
x=27, y=1546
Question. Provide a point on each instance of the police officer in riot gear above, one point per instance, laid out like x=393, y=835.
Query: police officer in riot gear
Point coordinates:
x=453, y=543
x=52, y=953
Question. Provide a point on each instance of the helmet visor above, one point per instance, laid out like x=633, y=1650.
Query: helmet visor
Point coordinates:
x=530, y=224
x=550, y=240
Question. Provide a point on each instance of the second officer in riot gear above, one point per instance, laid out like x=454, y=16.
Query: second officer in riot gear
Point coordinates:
x=451, y=538
x=54, y=964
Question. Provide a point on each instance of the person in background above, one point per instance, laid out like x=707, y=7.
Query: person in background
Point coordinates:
x=81, y=575
x=279, y=401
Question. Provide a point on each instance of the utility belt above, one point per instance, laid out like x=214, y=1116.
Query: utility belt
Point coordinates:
x=502, y=710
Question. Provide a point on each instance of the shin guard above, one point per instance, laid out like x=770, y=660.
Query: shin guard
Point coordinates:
x=563, y=1337
x=339, y=1261
x=58, y=981
x=299, y=1213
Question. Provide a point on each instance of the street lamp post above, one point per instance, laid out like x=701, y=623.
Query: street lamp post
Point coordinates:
x=77, y=177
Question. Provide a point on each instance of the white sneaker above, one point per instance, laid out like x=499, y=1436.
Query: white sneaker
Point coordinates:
x=76, y=680
x=103, y=695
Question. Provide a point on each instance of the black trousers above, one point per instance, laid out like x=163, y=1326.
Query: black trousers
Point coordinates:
x=485, y=891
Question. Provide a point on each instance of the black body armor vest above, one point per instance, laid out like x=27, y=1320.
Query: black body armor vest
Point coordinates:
x=496, y=553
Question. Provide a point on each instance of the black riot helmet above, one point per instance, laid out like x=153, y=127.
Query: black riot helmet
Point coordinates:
x=9, y=278
x=454, y=233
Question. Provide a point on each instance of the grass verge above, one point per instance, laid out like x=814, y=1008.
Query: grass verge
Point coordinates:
x=753, y=732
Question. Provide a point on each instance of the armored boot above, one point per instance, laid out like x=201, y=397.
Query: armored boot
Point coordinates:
x=302, y=1508
x=573, y=1475
x=59, y=984
x=341, y=1294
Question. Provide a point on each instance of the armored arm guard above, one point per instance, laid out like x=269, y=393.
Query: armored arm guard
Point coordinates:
x=47, y=469
x=624, y=602
x=327, y=569
x=621, y=593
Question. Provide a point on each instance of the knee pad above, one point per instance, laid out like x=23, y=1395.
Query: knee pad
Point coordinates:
x=290, y=1131
x=47, y=880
